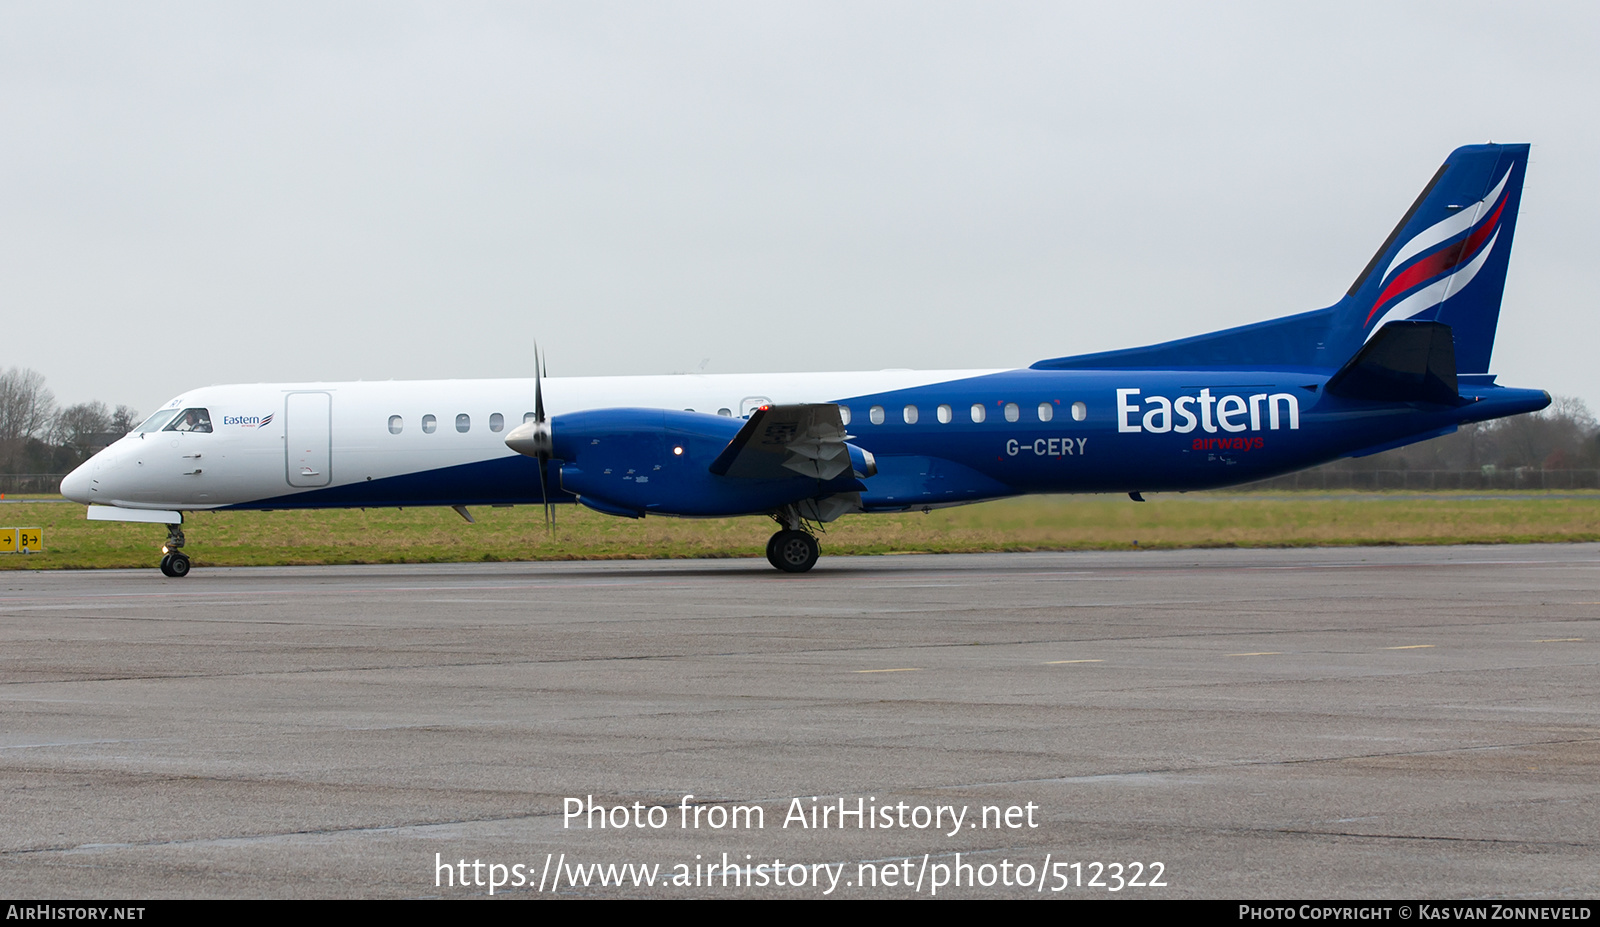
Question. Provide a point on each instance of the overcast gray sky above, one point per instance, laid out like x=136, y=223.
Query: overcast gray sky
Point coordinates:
x=225, y=192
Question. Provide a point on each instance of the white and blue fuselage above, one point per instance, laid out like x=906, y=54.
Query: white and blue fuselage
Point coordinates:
x=939, y=438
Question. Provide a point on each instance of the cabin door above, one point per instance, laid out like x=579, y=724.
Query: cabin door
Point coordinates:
x=308, y=438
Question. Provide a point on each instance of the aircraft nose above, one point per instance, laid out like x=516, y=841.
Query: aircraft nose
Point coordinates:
x=75, y=485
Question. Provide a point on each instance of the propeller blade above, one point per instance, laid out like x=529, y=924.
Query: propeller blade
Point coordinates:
x=538, y=387
x=544, y=499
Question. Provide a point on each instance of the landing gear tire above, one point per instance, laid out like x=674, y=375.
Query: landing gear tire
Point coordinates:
x=792, y=551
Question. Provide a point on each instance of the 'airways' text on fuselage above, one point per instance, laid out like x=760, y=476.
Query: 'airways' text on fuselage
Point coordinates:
x=1229, y=412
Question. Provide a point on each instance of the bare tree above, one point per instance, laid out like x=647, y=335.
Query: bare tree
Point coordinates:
x=1574, y=410
x=1556, y=438
x=81, y=426
x=27, y=408
x=1564, y=435
x=123, y=419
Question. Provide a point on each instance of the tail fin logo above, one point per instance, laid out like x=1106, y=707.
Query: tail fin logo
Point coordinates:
x=1450, y=267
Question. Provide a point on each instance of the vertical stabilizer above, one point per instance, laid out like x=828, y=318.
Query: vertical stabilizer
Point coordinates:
x=1446, y=260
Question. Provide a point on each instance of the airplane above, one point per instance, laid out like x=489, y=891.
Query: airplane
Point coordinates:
x=1403, y=356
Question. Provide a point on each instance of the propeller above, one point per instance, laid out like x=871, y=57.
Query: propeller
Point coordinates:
x=533, y=438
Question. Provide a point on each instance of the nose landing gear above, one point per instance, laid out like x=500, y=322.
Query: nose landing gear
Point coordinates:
x=173, y=561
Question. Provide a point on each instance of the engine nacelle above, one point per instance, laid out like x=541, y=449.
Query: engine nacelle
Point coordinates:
x=634, y=462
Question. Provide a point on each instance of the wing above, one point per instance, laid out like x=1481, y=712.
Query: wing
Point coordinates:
x=781, y=440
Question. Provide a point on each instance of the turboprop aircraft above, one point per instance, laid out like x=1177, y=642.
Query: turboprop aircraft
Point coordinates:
x=1401, y=357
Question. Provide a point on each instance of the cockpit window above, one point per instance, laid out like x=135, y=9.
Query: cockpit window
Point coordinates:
x=195, y=420
x=154, y=422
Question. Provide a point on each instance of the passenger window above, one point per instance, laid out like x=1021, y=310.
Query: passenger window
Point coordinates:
x=463, y=423
x=396, y=424
x=1046, y=412
x=979, y=413
x=527, y=417
x=844, y=415
x=429, y=424
x=1012, y=412
x=910, y=414
x=1079, y=411
x=725, y=413
x=876, y=415
x=496, y=422
x=945, y=415
x=195, y=420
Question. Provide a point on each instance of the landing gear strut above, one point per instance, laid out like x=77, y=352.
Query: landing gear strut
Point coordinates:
x=173, y=561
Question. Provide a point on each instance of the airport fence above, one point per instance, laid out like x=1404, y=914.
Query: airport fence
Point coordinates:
x=30, y=482
x=1489, y=478
x=1320, y=479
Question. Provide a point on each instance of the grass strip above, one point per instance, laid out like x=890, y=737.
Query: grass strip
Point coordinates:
x=438, y=535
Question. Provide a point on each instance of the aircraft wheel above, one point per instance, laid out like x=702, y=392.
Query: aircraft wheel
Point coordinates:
x=175, y=565
x=792, y=551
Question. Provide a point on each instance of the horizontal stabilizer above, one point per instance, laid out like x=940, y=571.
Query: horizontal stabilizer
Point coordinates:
x=1403, y=362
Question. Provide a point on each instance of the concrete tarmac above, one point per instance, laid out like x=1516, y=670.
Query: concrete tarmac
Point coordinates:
x=1341, y=723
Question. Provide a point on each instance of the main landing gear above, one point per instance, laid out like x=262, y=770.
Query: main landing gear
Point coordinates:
x=173, y=561
x=793, y=549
